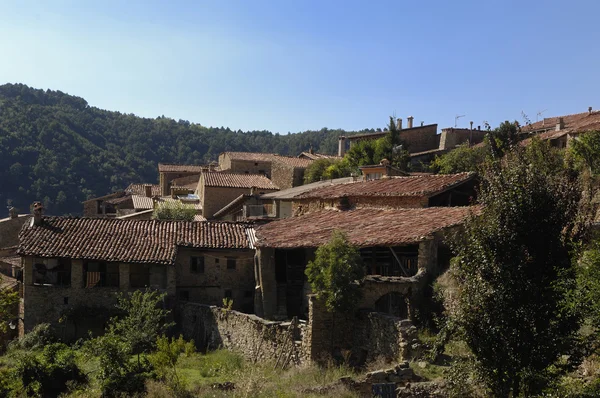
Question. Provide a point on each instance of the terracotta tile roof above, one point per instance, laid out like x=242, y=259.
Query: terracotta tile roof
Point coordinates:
x=421, y=185
x=250, y=156
x=138, y=189
x=291, y=193
x=118, y=201
x=231, y=180
x=317, y=156
x=179, y=168
x=133, y=241
x=576, y=123
x=364, y=227
x=294, y=162
x=142, y=202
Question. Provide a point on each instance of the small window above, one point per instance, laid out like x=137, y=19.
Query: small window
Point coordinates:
x=197, y=265
x=139, y=275
x=228, y=293
x=216, y=261
x=231, y=263
x=184, y=295
x=65, y=300
x=255, y=163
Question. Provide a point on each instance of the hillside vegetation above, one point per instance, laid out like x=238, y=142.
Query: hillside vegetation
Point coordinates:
x=57, y=148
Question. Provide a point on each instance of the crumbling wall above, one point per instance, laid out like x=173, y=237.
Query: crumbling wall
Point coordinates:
x=364, y=335
x=254, y=338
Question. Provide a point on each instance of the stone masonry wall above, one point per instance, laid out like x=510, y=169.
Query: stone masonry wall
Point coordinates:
x=282, y=175
x=209, y=287
x=366, y=335
x=9, y=230
x=304, y=206
x=421, y=138
x=254, y=338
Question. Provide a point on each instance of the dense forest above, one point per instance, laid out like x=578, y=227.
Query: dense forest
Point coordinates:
x=56, y=148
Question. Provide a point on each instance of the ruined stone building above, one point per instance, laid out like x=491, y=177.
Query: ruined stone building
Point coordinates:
x=76, y=265
x=135, y=198
x=169, y=172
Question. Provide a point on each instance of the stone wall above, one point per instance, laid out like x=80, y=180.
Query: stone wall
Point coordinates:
x=451, y=137
x=50, y=303
x=211, y=285
x=286, y=176
x=304, y=206
x=9, y=230
x=253, y=337
x=365, y=335
x=419, y=139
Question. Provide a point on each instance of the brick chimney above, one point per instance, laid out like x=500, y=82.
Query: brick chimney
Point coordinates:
x=410, y=122
x=12, y=212
x=560, y=124
x=148, y=190
x=38, y=212
x=399, y=124
x=590, y=110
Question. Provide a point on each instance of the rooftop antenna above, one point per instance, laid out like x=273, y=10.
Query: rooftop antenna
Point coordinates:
x=456, y=119
x=537, y=115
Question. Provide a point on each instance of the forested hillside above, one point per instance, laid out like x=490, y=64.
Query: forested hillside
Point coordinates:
x=57, y=148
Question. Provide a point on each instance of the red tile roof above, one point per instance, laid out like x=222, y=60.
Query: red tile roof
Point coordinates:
x=179, y=168
x=250, y=156
x=133, y=241
x=421, y=185
x=576, y=123
x=317, y=156
x=364, y=227
x=231, y=180
x=294, y=162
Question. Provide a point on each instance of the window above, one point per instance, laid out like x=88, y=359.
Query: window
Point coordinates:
x=184, y=295
x=139, y=275
x=197, y=265
x=231, y=263
x=216, y=261
x=52, y=271
x=101, y=274
x=99, y=204
x=228, y=293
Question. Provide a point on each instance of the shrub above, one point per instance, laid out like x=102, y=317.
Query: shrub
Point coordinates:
x=38, y=337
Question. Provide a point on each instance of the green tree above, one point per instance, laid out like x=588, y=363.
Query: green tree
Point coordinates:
x=335, y=273
x=164, y=360
x=504, y=138
x=174, y=211
x=586, y=152
x=515, y=274
x=461, y=159
x=314, y=172
x=8, y=302
x=143, y=318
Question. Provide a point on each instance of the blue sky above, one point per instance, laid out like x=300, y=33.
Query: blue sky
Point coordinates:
x=289, y=66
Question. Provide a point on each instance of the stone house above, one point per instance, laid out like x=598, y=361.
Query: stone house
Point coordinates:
x=217, y=189
x=311, y=155
x=393, y=193
x=402, y=250
x=168, y=172
x=284, y=171
x=120, y=203
x=560, y=130
x=76, y=265
x=101, y=206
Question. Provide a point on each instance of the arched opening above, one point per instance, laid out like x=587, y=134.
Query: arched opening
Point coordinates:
x=393, y=304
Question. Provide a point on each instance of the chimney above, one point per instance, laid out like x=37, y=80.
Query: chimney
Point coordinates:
x=38, y=212
x=560, y=124
x=399, y=123
x=341, y=146
x=471, y=122
x=422, y=123
x=12, y=212
x=590, y=110
x=310, y=150
x=410, y=122
x=478, y=127
x=148, y=190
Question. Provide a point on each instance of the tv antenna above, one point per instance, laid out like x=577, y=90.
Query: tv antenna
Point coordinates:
x=537, y=115
x=456, y=119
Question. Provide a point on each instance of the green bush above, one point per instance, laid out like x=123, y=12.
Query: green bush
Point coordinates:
x=47, y=373
x=40, y=336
